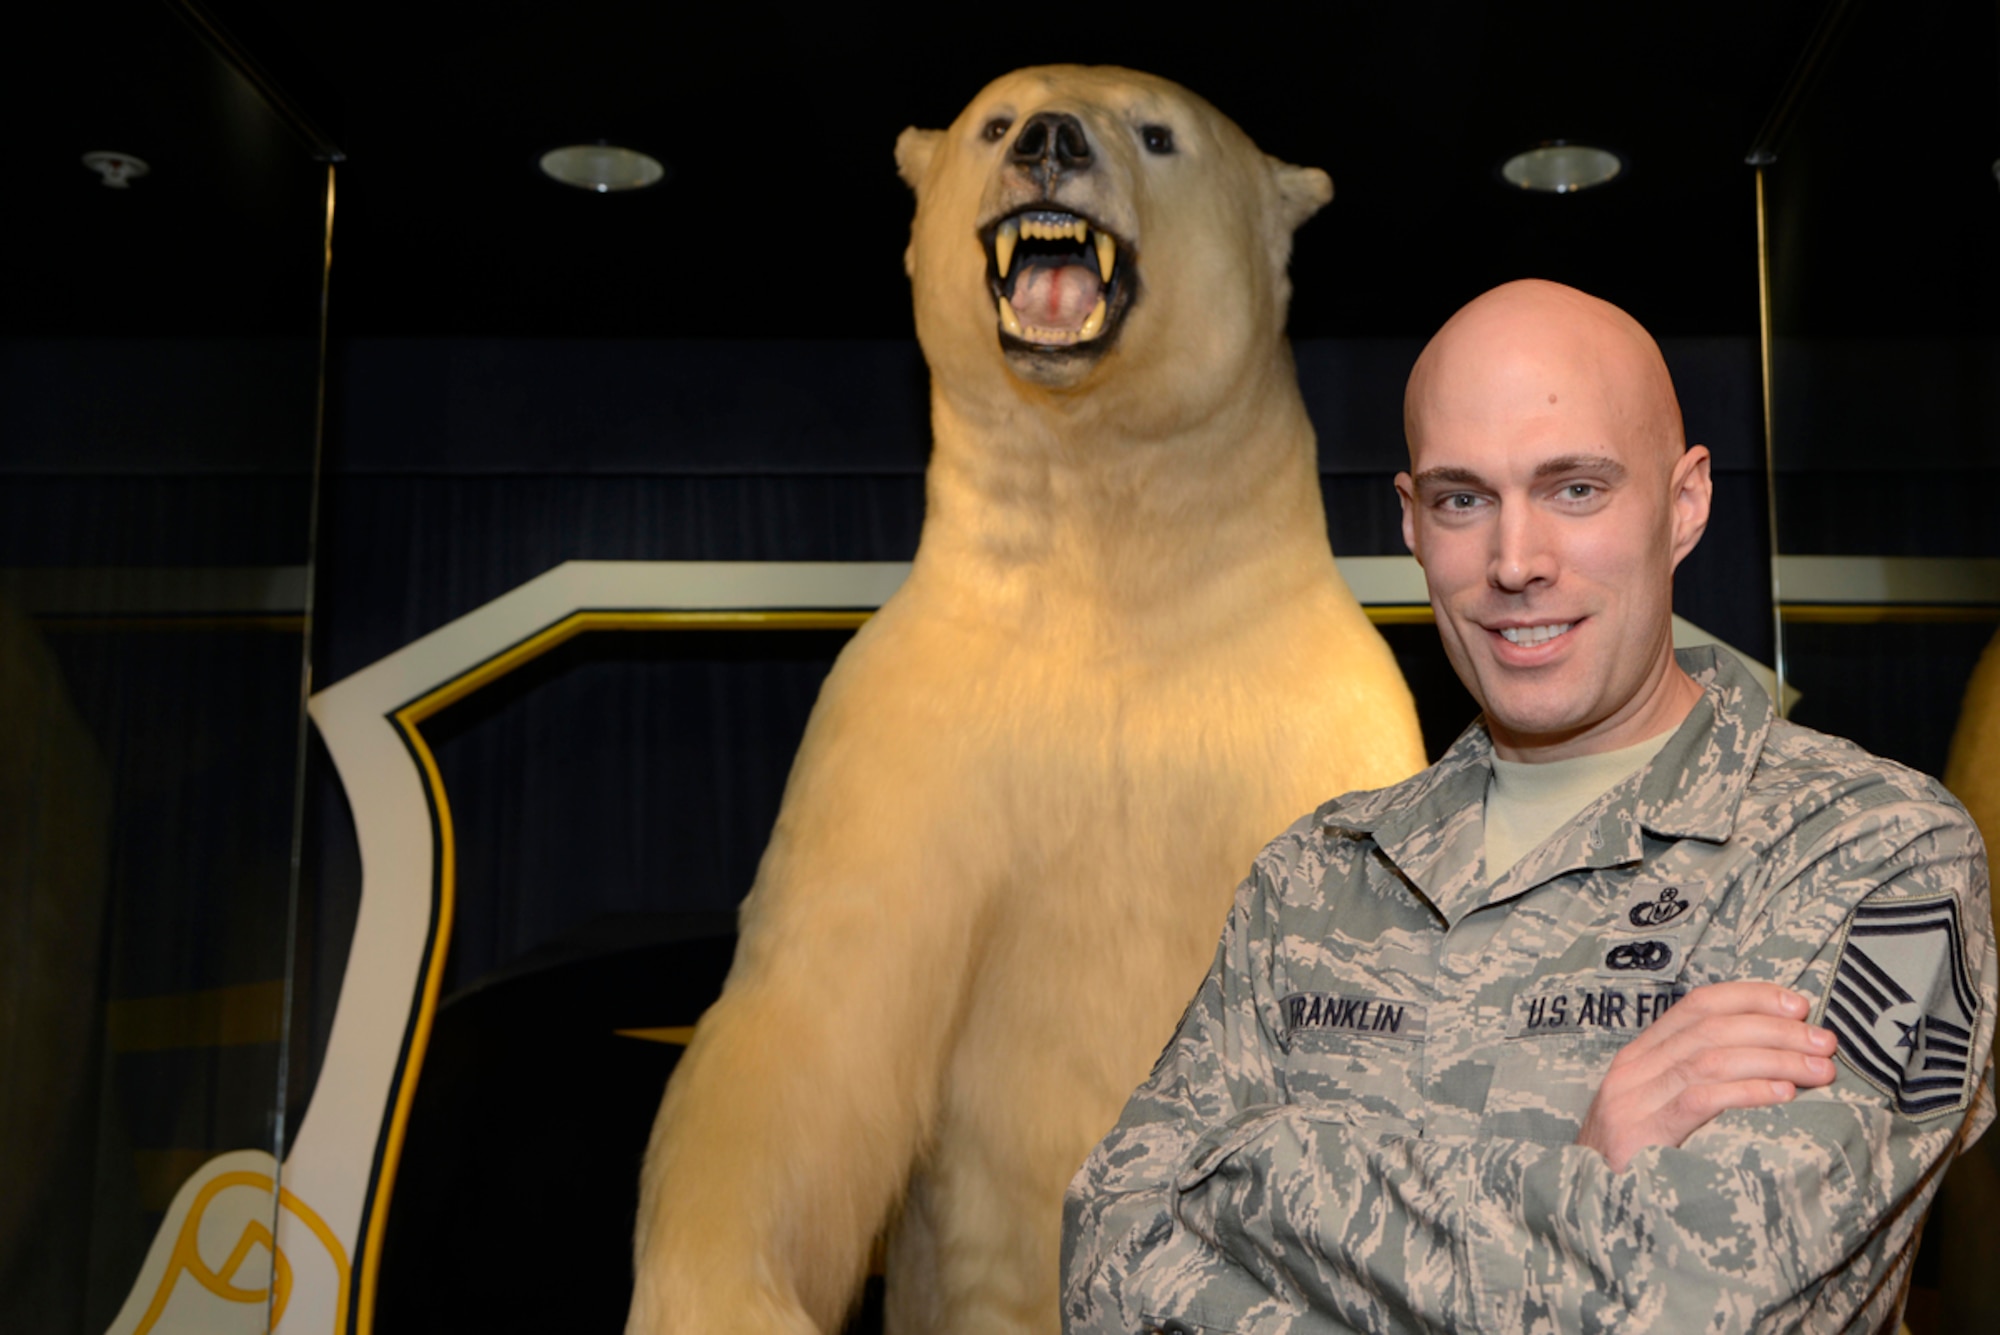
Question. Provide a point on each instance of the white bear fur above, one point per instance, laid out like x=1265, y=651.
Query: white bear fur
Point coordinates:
x=1123, y=661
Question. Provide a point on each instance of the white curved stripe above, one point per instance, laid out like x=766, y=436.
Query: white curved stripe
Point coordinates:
x=331, y=1158
x=333, y=1153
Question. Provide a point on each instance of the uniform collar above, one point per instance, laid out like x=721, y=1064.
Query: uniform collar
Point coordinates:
x=1690, y=790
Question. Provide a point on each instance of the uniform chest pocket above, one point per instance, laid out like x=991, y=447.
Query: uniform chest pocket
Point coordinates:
x=1559, y=1042
x=1354, y=1050
x=1542, y=1087
x=1381, y=1076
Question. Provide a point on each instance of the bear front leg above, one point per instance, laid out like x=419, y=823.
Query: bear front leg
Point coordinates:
x=789, y=1128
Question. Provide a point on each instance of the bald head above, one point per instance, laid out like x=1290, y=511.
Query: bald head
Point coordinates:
x=1550, y=498
x=1534, y=349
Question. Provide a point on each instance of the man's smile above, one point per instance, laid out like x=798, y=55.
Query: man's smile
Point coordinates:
x=1530, y=636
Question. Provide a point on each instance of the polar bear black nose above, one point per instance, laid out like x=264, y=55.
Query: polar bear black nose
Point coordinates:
x=1052, y=140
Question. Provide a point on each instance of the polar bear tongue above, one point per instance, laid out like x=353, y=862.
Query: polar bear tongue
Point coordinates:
x=1056, y=296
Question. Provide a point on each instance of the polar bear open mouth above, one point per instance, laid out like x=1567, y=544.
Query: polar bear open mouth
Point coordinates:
x=1060, y=281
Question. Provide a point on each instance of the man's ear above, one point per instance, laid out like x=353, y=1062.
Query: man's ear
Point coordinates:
x=1406, y=493
x=1302, y=191
x=1691, y=490
x=914, y=150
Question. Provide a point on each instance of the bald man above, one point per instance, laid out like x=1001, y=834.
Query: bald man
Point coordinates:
x=1639, y=1010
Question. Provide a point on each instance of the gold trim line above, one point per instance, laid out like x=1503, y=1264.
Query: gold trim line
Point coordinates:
x=1858, y=614
x=1399, y=614
x=219, y=1017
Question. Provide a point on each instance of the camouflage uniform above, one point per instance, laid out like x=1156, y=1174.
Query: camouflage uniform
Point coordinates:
x=1366, y=1119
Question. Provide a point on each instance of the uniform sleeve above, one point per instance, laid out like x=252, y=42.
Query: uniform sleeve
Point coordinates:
x=1117, y=1219
x=1760, y=1216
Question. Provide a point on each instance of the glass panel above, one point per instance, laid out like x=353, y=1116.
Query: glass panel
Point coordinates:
x=1882, y=210
x=159, y=385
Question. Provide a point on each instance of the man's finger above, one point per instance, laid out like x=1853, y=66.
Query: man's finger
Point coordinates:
x=1669, y=1056
x=1679, y=1118
x=1741, y=1031
x=1698, y=1105
x=1727, y=1065
x=1737, y=998
x=1706, y=1004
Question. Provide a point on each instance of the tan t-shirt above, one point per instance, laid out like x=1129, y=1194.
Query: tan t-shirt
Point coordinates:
x=1527, y=802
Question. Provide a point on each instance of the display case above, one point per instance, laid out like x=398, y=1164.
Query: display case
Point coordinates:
x=1879, y=229
x=160, y=390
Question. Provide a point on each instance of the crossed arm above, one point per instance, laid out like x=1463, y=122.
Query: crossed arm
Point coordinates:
x=1717, y=1185
x=1726, y=1045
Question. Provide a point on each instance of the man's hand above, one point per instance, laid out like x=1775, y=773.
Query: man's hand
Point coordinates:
x=1727, y=1045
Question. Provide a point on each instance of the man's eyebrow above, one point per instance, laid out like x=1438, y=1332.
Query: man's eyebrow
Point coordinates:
x=1602, y=464
x=1450, y=477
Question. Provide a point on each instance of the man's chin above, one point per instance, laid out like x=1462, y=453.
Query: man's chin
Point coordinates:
x=1534, y=718
x=1536, y=729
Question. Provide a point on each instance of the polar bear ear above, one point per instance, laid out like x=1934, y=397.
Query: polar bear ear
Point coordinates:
x=914, y=150
x=1302, y=191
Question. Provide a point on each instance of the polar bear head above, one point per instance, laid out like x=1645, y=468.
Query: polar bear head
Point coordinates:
x=1080, y=228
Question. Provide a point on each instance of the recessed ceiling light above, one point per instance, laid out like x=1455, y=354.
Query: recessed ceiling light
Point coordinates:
x=1561, y=168
x=119, y=170
x=603, y=167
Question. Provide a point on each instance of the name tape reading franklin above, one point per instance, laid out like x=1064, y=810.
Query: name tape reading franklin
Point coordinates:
x=1308, y=1013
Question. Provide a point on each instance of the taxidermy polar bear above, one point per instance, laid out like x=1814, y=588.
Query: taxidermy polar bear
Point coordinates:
x=1122, y=662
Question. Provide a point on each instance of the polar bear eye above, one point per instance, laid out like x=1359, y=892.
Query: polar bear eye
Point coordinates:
x=996, y=129
x=1158, y=138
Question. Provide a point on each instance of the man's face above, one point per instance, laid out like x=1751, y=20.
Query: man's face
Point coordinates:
x=1549, y=509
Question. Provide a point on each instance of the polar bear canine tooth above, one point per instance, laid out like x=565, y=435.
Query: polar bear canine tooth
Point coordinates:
x=1107, y=256
x=1094, y=322
x=1004, y=241
x=1008, y=320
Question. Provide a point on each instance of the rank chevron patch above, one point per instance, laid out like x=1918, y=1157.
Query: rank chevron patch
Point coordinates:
x=1902, y=1006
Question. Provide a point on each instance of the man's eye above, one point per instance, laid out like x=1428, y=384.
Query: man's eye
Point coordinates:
x=1579, y=491
x=1460, y=500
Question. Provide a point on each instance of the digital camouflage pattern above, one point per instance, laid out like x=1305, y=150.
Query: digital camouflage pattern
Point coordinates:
x=1366, y=1119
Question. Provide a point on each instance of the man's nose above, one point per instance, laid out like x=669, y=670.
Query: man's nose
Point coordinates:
x=1523, y=553
x=1051, y=143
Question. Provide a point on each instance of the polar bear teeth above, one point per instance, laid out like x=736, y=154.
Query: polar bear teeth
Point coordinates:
x=1092, y=326
x=1533, y=635
x=1052, y=227
x=1065, y=230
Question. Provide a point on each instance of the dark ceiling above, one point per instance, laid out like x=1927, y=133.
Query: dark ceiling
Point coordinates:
x=783, y=216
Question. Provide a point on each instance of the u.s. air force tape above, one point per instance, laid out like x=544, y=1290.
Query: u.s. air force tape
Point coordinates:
x=1590, y=1007
x=1308, y=1013
x=1902, y=1005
